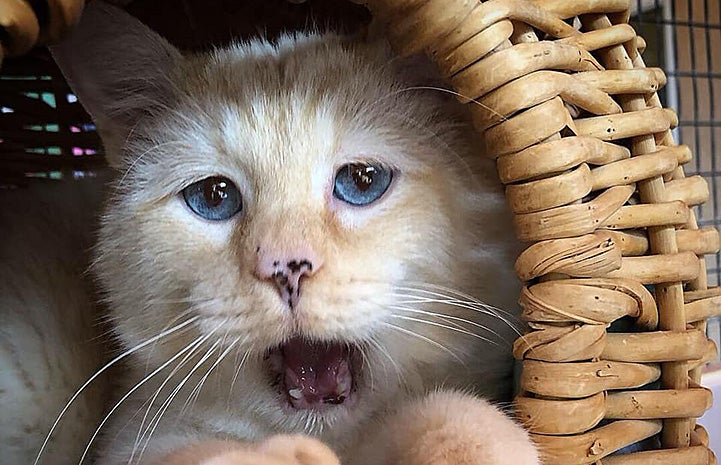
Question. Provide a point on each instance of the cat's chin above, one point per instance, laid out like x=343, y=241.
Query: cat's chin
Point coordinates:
x=315, y=375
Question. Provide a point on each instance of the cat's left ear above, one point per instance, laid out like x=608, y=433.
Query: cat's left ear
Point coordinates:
x=119, y=69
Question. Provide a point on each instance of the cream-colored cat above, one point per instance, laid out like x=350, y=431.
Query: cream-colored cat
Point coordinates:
x=290, y=247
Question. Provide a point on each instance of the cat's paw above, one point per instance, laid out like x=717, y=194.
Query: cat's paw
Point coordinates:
x=278, y=450
x=298, y=450
x=450, y=428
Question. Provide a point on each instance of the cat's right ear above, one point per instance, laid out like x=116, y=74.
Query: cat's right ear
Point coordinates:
x=119, y=69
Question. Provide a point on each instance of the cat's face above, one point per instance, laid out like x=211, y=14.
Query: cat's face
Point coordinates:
x=299, y=215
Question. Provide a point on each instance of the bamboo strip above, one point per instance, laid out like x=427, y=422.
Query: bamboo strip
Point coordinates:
x=646, y=405
x=562, y=344
x=550, y=192
x=590, y=41
x=582, y=414
x=477, y=46
x=565, y=9
x=634, y=169
x=572, y=220
x=534, y=89
x=525, y=110
x=582, y=379
x=512, y=63
x=592, y=446
x=658, y=269
x=625, y=81
x=557, y=156
x=696, y=455
x=519, y=133
x=644, y=215
x=488, y=13
x=415, y=31
x=575, y=184
x=626, y=125
x=567, y=256
x=541, y=415
x=702, y=309
x=692, y=190
x=699, y=436
x=568, y=301
x=658, y=346
x=693, y=296
x=699, y=241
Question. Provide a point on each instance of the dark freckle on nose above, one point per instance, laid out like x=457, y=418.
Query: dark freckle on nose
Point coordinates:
x=276, y=263
x=296, y=266
x=257, y=250
x=281, y=278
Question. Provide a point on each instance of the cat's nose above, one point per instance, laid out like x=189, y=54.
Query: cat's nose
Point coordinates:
x=287, y=272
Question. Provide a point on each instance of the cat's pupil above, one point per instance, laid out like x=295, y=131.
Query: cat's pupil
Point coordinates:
x=215, y=191
x=363, y=176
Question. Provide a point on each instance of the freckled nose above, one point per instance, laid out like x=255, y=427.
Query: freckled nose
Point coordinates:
x=287, y=272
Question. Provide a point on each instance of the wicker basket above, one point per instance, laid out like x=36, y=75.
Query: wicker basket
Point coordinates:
x=566, y=106
x=615, y=290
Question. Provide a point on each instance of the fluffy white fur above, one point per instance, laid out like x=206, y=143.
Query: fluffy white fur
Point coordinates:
x=279, y=120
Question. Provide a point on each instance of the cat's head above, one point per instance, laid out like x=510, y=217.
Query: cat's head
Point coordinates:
x=293, y=207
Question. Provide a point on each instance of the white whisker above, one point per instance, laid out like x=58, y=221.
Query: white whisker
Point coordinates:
x=100, y=372
x=426, y=339
x=235, y=375
x=440, y=325
x=198, y=387
x=141, y=156
x=367, y=364
x=122, y=399
x=193, y=347
x=450, y=319
x=437, y=289
x=401, y=377
x=470, y=303
x=155, y=421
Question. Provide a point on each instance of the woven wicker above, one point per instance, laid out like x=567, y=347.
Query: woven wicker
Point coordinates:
x=564, y=103
x=566, y=106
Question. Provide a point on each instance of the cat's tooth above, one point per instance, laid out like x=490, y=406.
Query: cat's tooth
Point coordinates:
x=296, y=394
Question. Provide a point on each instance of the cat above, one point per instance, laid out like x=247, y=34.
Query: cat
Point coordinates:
x=290, y=246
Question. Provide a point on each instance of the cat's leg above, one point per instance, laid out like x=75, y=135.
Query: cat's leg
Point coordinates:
x=447, y=428
x=278, y=450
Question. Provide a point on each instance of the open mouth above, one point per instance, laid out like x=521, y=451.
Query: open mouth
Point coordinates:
x=313, y=374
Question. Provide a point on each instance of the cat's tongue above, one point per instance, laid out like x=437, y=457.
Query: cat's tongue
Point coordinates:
x=316, y=373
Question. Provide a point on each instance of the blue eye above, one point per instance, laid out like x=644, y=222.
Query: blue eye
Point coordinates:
x=361, y=183
x=215, y=198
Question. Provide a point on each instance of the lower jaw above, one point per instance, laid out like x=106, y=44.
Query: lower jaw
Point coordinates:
x=291, y=407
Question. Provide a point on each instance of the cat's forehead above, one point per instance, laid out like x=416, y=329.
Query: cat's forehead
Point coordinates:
x=303, y=73
x=273, y=114
x=302, y=97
